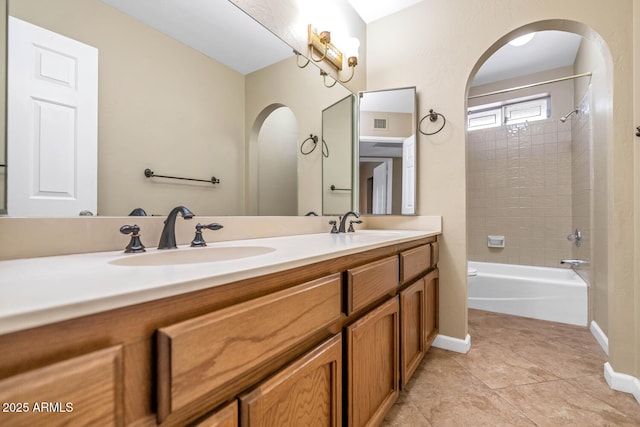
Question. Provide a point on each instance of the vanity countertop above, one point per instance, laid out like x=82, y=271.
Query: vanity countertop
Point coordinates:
x=39, y=291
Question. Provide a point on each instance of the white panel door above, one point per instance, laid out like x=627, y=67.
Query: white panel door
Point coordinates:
x=409, y=175
x=379, y=202
x=52, y=123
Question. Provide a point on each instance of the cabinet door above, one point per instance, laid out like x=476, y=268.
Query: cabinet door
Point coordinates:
x=227, y=416
x=306, y=393
x=432, y=282
x=412, y=329
x=373, y=363
x=85, y=390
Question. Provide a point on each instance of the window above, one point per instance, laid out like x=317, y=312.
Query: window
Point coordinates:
x=509, y=113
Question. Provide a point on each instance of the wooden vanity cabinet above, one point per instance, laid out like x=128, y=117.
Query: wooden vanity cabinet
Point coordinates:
x=308, y=392
x=84, y=390
x=373, y=364
x=413, y=321
x=318, y=344
x=203, y=360
x=418, y=306
x=431, y=284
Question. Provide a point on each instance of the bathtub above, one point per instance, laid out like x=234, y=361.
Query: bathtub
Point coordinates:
x=555, y=294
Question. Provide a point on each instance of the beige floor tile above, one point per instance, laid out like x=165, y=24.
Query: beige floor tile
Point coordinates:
x=499, y=367
x=559, y=403
x=519, y=372
x=472, y=409
x=405, y=415
x=597, y=387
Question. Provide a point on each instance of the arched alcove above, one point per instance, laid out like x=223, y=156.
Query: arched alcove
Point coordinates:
x=272, y=157
x=595, y=58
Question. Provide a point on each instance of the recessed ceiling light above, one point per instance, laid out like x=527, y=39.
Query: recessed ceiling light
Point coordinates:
x=522, y=40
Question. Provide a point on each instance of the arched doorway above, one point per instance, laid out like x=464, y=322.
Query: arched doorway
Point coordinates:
x=276, y=134
x=556, y=177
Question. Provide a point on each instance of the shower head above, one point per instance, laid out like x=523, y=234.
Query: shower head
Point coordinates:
x=566, y=116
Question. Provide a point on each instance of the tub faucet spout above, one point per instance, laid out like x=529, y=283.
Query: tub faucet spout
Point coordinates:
x=574, y=262
x=168, y=237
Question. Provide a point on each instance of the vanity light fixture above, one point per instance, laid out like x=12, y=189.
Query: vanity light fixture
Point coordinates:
x=321, y=43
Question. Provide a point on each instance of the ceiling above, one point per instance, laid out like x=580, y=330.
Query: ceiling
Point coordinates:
x=202, y=24
x=547, y=50
x=199, y=22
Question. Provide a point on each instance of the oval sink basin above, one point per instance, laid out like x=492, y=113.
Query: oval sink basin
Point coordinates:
x=191, y=256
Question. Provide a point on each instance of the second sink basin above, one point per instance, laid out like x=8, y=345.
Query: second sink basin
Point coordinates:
x=191, y=256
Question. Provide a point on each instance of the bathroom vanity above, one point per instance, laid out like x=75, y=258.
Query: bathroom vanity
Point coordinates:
x=322, y=330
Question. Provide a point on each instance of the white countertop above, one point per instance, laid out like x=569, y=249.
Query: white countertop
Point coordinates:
x=39, y=291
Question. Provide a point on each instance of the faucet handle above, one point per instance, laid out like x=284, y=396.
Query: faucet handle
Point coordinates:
x=334, y=229
x=135, y=245
x=351, y=229
x=198, y=240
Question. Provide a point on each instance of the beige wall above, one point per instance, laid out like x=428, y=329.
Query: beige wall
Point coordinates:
x=3, y=68
x=590, y=59
x=302, y=90
x=398, y=124
x=441, y=71
x=437, y=46
x=162, y=106
x=636, y=122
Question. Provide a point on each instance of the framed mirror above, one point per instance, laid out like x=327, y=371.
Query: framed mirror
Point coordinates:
x=337, y=157
x=387, y=152
x=171, y=100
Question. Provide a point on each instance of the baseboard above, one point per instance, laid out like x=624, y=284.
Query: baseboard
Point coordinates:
x=622, y=382
x=452, y=344
x=600, y=336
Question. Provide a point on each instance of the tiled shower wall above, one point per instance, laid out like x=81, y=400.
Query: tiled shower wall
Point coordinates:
x=582, y=182
x=519, y=185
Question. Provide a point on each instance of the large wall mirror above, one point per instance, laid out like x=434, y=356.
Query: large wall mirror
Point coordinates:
x=387, y=152
x=167, y=102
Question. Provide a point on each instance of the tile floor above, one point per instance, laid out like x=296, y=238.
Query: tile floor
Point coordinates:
x=519, y=372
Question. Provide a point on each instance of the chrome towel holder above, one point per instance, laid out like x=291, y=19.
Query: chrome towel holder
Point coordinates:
x=150, y=174
x=433, y=117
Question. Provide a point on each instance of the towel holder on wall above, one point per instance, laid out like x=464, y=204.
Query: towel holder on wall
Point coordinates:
x=149, y=174
x=433, y=117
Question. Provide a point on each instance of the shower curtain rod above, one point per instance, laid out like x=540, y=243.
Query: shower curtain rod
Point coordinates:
x=511, y=89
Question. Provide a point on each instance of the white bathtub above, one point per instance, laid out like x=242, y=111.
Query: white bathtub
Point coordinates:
x=555, y=294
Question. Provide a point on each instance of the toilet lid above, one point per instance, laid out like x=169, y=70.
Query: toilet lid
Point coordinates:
x=472, y=271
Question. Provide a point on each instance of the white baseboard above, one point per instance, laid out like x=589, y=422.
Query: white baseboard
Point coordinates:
x=453, y=344
x=622, y=382
x=600, y=336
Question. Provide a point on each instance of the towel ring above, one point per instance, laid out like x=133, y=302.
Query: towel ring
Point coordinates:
x=433, y=117
x=313, y=138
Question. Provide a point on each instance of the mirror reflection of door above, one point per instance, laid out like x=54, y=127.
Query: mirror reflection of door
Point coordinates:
x=277, y=164
x=387, y=146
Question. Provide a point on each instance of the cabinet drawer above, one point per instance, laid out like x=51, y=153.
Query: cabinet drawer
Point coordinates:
x=367, y=283
x=414, y=262
x=85, y=390
x=435, y=254
x=207, y=354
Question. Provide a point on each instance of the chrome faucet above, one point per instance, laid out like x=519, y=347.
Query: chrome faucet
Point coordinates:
x=343, y=220
x=574, y=262
x=168, y=237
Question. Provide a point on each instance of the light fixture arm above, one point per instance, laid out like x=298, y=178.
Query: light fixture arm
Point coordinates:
x=298, y=55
